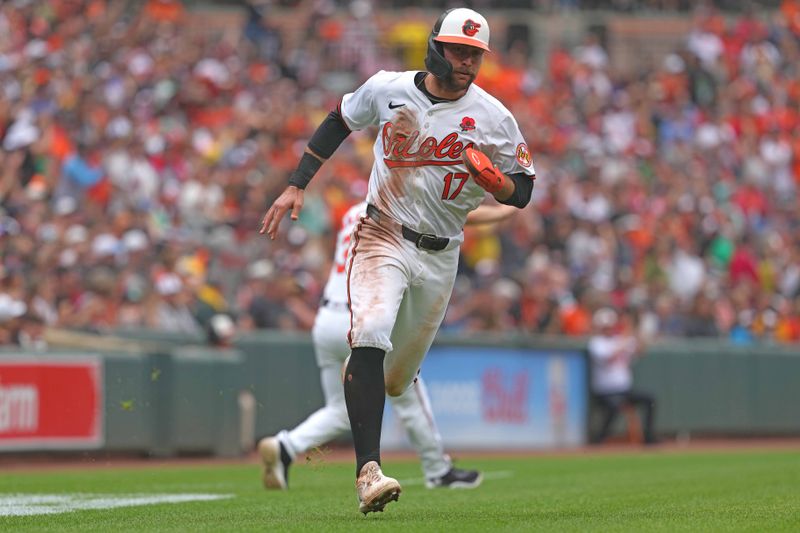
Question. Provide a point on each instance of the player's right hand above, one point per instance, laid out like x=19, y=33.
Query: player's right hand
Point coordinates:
x=290, y=198
x=483, y=171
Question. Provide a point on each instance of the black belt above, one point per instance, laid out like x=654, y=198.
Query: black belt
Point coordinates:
x=426, y=241
x=340, y=306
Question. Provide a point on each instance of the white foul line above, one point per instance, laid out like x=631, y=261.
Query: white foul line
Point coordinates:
x=39, y=504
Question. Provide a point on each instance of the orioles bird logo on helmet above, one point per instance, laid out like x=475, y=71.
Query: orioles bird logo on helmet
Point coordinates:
x=470, y=28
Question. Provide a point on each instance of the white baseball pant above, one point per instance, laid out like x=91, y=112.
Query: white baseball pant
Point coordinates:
x=412, y=407
x=399, y=294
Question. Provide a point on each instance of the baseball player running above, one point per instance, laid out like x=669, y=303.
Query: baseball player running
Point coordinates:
x=443, y=142
x=331, y=349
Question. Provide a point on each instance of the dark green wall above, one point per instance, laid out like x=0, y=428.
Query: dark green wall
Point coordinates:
x=181, y=397
x=182, y=400
x=281, y=371
x=712, y=387
x=702, y=386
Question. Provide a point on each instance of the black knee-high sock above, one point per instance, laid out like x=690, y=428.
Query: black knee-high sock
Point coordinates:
x=364, y=394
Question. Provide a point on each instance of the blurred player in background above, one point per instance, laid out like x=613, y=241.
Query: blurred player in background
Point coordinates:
x=436, y=131
x=331, y=349
x=612, y=351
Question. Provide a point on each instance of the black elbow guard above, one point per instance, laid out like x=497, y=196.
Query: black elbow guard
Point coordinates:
x=330, y=134
x=523, y=188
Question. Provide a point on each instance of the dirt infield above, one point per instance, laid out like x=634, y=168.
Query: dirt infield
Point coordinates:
x=338, y=454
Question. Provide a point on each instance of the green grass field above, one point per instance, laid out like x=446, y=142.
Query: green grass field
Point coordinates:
x=647, y=491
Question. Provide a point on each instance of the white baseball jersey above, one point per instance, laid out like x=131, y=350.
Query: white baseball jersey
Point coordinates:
x=336, y=288
x=398, y=292
x=418, y=177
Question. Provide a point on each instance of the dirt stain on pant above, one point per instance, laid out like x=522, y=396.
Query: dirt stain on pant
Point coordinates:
x=375, y=250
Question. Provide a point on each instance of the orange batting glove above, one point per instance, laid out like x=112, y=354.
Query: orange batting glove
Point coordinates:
x=483, y=170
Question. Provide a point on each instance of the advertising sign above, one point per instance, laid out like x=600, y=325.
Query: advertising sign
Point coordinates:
x=51, y=402
x=495, y=398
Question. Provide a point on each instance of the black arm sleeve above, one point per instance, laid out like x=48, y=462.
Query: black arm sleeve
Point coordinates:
x=330, y=134
x=523, y=188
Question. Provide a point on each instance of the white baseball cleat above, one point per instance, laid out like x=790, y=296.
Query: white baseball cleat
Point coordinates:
x=273, y=473
x=374, y=489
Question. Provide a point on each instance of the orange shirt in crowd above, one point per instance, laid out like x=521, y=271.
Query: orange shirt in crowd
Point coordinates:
x=560, y=65
x=164, y=10
x=791, y=13
x=60, y=145
x=788, y=329
x=576, y=321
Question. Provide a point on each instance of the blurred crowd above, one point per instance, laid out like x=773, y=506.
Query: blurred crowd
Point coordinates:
x=549, y=5
x=140, y=150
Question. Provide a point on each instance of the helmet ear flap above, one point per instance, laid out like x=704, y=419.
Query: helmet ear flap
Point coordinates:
x=434, y=59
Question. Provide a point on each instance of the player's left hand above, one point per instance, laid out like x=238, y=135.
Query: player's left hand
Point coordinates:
x=483, y=171
x=290, y=198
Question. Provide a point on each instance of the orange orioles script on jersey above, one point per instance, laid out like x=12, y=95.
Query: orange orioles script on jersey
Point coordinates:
x=399, y=149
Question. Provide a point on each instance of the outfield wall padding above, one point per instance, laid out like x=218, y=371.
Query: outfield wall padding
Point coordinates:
x=178, y=397
x=701, y=386
x=281, y=372
x=709, y=387
x=178, y=400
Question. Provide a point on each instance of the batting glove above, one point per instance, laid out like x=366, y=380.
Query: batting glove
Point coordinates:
x=483, y=171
